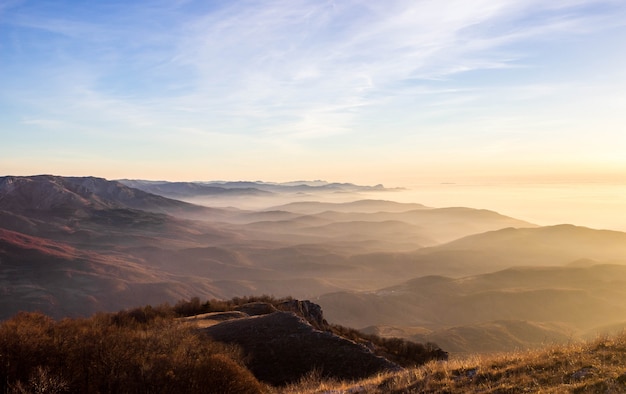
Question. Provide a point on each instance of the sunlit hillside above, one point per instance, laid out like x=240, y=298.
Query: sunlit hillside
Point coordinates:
x=598, y=366
x=243, y=345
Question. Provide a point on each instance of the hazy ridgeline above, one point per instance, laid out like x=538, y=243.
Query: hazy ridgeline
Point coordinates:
x=471, y=280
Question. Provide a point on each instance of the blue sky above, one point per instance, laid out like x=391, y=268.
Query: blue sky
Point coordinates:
x=365, y=91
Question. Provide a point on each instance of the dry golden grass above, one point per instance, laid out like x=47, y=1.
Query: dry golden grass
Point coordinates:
x=597, y=366
x=115, y=354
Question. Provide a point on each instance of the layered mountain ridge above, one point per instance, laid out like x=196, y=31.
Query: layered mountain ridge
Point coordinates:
x=48, y=192
x=71, y=246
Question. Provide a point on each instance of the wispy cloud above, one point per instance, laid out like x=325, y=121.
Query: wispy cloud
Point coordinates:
x=299, y=59
x=280, y=72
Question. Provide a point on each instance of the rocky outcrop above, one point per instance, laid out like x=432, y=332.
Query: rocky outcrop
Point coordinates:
x=308, y=310
x=282, y=347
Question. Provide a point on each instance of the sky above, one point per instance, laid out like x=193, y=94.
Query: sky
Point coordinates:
x=370, y=92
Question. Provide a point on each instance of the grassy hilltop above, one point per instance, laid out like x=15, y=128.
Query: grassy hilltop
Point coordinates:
x=153, y=350
x=243, y=345
x=597, y=366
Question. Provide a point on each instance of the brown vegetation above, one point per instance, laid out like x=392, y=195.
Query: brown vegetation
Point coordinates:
x=151, y=349
x=401, y=351
x=598, y=366
x=115, y=354
x=147, y=350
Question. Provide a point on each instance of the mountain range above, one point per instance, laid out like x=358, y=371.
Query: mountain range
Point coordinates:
x=71, y=246
x=243, y=188
x=491, y=312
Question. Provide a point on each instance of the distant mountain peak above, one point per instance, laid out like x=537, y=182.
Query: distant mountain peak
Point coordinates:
x=70, y=194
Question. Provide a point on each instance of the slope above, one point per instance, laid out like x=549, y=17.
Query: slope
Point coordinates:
x=570, y=299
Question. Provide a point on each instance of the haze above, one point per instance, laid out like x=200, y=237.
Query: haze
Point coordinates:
x=592, y=204
x=472, y=279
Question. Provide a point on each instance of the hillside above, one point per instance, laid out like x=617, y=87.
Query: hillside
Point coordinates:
x=251, y=347
x=511, y=309
x=481, y=282
x=68, y=195
x=363, y=206
x=283, y=347
x=61, y=280
x=68, y=246
x=507, y=247
x=132, y=246
x=256, y=194
x=550, y=245
x=428, y=226
x=598, y=366
x=280, y=348
x=76, y=246
x=181, y=190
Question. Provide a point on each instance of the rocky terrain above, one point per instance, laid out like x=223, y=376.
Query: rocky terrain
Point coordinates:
x=283, y=347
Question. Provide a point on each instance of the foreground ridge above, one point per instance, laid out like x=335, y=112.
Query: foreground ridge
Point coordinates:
x=597, y=366
x=243, y=345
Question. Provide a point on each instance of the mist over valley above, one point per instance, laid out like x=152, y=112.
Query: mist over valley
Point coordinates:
x=456, y=276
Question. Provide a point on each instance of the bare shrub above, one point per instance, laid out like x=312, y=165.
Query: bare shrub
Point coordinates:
x=106, y=354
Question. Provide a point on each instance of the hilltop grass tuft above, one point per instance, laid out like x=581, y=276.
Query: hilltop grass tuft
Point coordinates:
x=597, y=366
